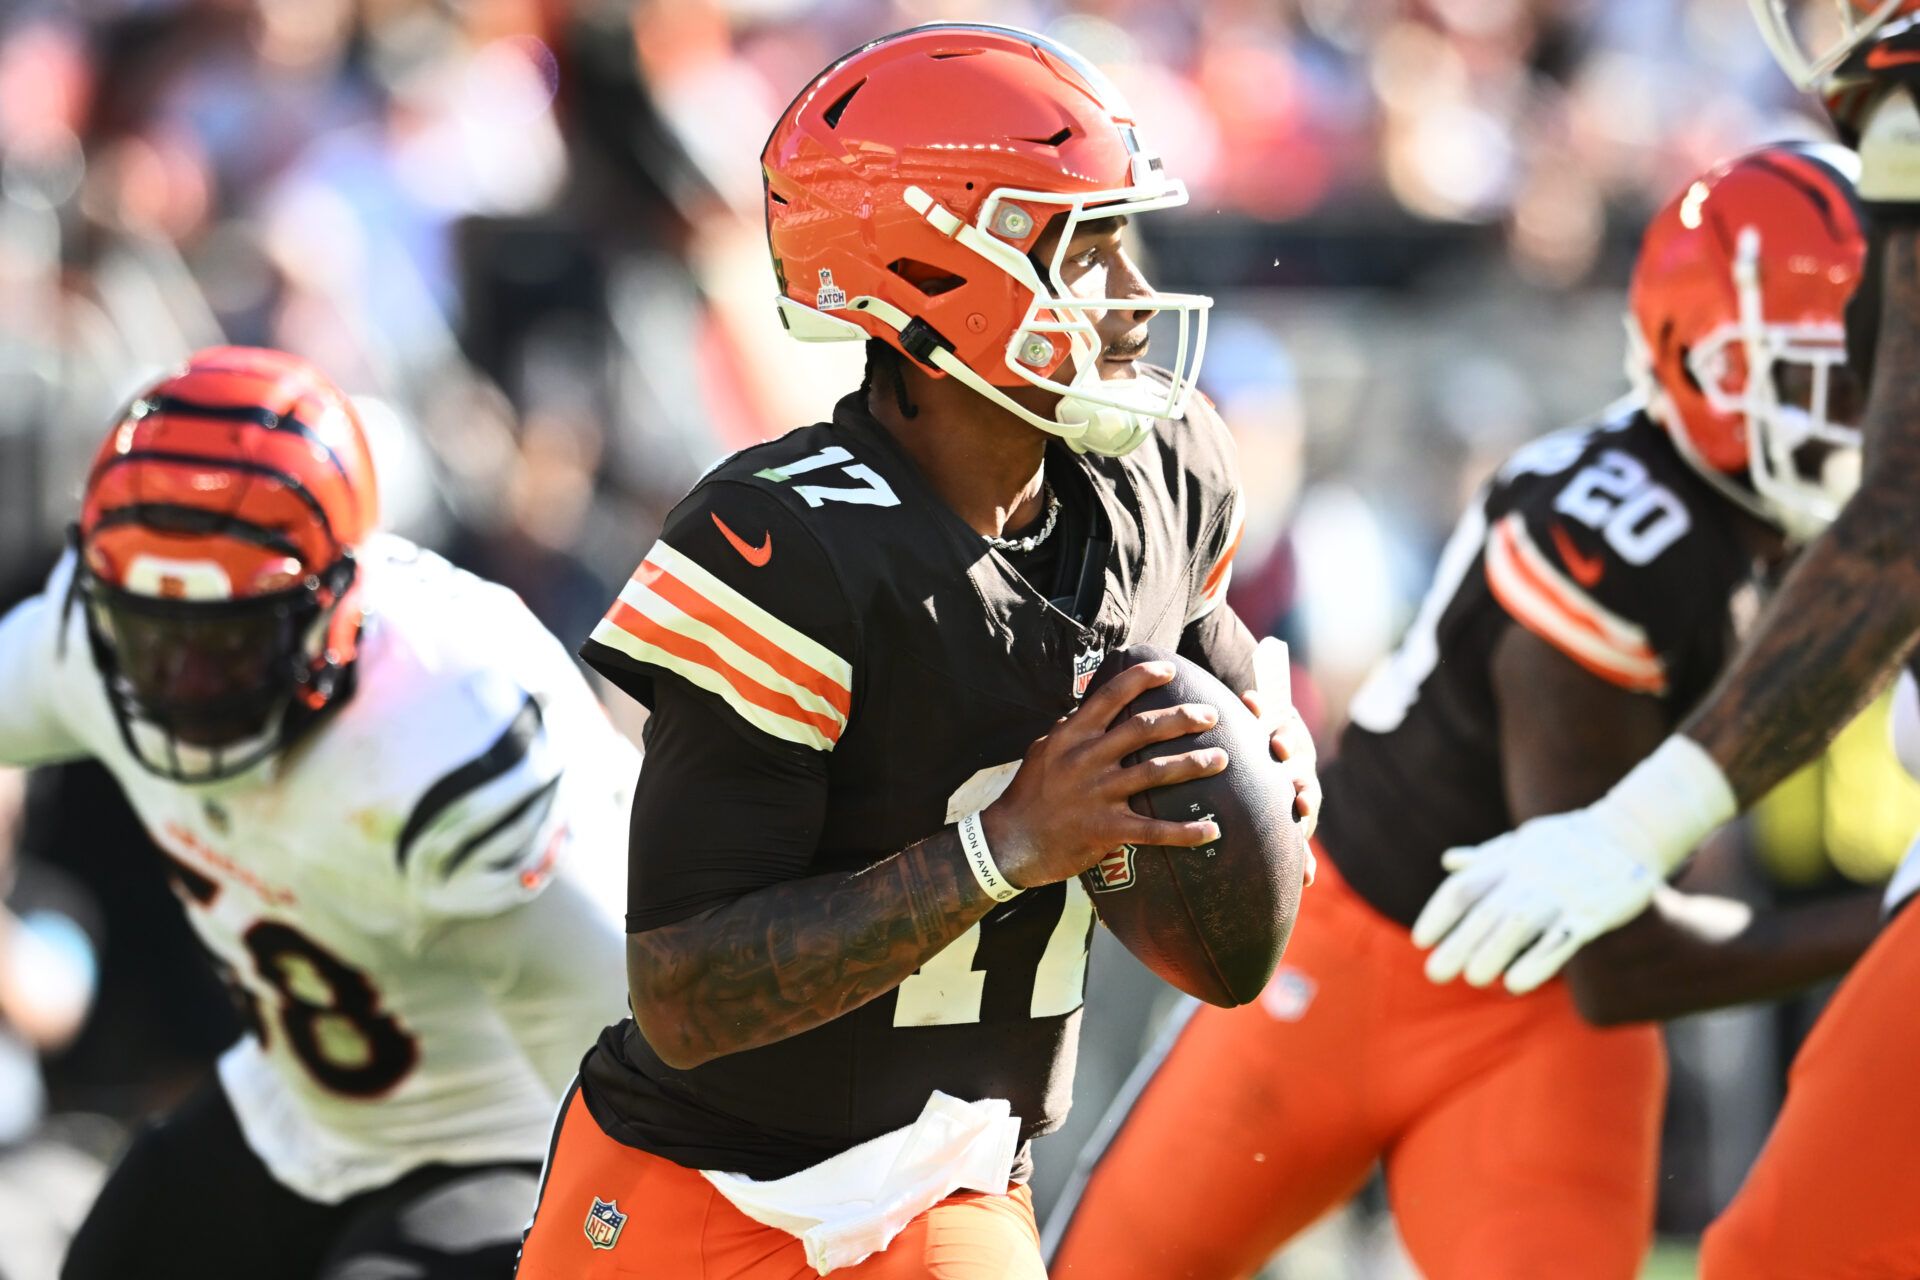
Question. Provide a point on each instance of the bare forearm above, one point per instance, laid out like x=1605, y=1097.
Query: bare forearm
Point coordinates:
x=1850, y=610
x=786, y=959
x=1692, y=952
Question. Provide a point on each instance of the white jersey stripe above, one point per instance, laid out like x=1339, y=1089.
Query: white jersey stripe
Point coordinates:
x=1548, y=604
x=752, y=616
x=650, y=603
x=713, y=680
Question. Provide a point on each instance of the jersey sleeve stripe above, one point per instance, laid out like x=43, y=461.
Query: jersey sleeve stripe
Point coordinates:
x=1214, y=589
x=672, y=603
x=1541, y=599
x=505, y=754
x=753, y=620
x=644, y=640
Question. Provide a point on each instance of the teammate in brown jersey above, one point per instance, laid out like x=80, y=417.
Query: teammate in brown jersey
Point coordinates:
x=1833, y=1192
x=858, y=943
x=1584, y=603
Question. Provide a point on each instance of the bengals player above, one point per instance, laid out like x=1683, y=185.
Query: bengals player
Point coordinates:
x=368, y=772
x=858, y=937
x=1832, y=1193
x=1585, y=601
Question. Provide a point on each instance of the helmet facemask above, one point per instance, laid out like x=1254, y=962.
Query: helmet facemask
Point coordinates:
x=1093, y=415
x=207, y=689
x=1786, y=380
x=1809, y=41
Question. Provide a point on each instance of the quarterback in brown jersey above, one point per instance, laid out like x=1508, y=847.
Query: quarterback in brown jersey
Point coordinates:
x=858, y=943
x=1585, y=601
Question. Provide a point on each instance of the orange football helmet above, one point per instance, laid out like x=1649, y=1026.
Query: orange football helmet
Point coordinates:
x=906, y=187
x=216, y=559
x=1810, y=40
x=1736, y=332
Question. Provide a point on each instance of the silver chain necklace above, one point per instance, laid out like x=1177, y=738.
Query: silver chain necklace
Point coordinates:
x=1032, y=540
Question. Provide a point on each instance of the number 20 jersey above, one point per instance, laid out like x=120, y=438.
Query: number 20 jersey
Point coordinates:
x=831, y=610
x=403, y=904
x=1606, y=544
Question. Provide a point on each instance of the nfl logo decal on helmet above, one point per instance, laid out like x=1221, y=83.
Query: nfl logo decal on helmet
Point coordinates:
x=603, y=1224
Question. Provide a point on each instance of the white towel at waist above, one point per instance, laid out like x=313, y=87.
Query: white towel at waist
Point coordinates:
x=849, y=1207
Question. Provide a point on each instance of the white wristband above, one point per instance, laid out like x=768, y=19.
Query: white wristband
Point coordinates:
x=973, y=843
x=1669, y=802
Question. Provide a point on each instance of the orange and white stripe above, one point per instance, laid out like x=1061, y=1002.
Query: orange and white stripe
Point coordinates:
x=1548, y=603
x=1213, y=589
x=675, y=615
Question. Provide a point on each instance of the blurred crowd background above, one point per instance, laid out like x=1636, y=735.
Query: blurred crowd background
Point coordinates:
x=527, y=234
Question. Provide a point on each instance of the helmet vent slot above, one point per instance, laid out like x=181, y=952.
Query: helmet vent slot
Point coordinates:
x=930, y=280
x=839, y=107
x=1066, y=131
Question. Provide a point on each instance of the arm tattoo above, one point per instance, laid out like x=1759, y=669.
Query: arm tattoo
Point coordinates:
x=788, y=958
x=1850, y=609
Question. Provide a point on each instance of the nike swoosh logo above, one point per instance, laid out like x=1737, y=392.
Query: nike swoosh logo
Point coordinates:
x=1587, y=570
x=1881, y=58
x=755, y=556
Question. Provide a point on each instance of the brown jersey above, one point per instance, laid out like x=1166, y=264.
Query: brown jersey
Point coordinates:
x=1605, y=543
x=838, y=666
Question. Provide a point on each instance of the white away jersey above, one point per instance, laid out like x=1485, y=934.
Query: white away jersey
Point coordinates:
x=418, y=907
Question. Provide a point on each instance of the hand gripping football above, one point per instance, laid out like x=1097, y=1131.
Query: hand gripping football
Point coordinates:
x=1212, y=921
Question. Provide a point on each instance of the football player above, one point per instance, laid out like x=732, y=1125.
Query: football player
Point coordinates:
x=367, y=771
x=1586, y=599
x=874, y=764
x=1833, y=1192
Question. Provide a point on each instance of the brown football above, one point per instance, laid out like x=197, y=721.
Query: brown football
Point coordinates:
x=1213, y=921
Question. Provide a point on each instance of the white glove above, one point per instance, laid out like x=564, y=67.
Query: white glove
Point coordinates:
x=1555, y=883
x=1889, y=150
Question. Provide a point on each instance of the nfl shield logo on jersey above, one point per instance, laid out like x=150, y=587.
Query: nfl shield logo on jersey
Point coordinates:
x=1085, y=663
x=1115, y=871
x=604, y=1221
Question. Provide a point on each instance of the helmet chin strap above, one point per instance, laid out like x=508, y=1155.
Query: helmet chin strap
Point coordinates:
x=1087, y=426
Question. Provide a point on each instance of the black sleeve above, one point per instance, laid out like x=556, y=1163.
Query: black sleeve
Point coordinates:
x=1638, y=600
x=738, y=599
x=720, y=810
x=1221, y=643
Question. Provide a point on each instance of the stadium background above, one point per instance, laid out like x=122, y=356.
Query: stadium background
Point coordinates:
x=527, y=232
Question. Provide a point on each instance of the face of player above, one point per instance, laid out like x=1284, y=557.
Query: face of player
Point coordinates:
x=208, y=676
x=1819, y=454
x=1097, y=265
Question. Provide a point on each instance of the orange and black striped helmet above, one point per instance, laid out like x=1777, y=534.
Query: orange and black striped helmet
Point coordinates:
x=216, y=548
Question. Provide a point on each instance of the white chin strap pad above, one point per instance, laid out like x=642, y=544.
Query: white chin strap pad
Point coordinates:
x=1099, y=428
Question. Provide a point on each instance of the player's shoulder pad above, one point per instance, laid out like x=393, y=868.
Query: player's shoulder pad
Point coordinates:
x=1200, y=462
x=1199, y=445
x=742, y=598
x=1602, y=541
x=478, y=837
x=471, y=717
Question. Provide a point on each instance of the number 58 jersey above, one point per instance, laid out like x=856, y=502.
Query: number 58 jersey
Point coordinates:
x=406, y=904
x=1602, y=541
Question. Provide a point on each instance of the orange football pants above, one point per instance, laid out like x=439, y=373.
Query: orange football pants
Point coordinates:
x=1519, y=1141
x=1835, y=1194
x=677, y=1227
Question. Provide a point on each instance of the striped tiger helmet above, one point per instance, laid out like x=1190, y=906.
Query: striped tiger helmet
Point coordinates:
x=216, y=559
